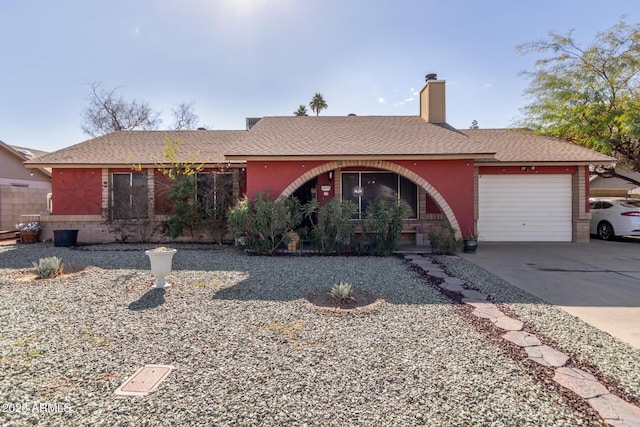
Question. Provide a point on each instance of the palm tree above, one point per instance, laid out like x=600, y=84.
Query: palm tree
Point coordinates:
x=318, y=103
x=301, y=111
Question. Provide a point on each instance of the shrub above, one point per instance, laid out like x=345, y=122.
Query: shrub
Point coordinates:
x=443, y=240
x=333, y=223
x=49, y=267
x=382, y=225
x=265, y=222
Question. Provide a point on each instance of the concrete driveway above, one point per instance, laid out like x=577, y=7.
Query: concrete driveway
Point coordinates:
x=599, y=282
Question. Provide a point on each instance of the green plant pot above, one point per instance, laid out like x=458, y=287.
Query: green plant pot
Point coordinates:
x=470, y=246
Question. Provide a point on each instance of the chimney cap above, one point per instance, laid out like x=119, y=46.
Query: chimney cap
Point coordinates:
x=431, y=76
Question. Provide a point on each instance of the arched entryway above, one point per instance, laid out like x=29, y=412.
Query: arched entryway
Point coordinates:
x=379, y=164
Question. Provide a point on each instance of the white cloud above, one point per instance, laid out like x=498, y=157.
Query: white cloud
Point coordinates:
x=381, y=100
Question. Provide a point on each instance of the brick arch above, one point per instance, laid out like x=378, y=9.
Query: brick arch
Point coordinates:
x=381, y=164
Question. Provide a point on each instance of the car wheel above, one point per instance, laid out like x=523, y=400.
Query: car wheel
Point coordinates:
x=605, y=231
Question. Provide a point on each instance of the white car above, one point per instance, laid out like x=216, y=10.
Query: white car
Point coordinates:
x=613, y=217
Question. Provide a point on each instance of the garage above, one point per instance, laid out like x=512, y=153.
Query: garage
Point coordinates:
x=524, y=208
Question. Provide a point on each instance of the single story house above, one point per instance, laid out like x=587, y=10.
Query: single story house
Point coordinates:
x=23, y=192
x=506, y=184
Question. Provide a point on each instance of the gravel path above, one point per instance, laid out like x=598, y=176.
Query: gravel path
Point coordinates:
x=250, y=350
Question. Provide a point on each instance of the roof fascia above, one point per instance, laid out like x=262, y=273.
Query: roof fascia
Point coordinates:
x=465, y=156
x=535, y=163
x=123, y=165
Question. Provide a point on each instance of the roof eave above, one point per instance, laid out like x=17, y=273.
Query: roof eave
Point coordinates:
x=539, y=163
x=450, y=156
x=122, y=165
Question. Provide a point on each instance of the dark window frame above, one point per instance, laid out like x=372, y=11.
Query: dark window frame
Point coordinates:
x=132, y=205
x=346, y=194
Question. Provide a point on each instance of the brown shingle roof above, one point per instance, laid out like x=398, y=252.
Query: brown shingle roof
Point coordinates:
x=524, y=145
x=353, y=136
x=144, y=147
x=323, y=137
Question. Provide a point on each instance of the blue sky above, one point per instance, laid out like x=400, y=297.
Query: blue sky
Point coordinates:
x=250, y=58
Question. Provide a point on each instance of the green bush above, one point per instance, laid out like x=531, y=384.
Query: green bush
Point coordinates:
x=443, y=239
x=47, y=268
x=264, y=222
x=333, y=224
x=381, y=227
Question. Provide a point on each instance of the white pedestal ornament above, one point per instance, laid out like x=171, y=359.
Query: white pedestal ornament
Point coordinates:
x=161, y=259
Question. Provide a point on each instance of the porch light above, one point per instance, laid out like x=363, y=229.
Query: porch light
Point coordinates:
x=358, y=191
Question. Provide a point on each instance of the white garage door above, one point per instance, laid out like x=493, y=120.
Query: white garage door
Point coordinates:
x=524, y=208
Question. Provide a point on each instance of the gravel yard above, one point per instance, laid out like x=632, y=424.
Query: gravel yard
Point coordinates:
x=249, y=349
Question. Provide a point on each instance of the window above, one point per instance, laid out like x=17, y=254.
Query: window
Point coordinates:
x=391, y=186
x=129, y=198
x=214, y=191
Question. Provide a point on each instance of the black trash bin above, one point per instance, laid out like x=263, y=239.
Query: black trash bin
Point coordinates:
x=65, y=238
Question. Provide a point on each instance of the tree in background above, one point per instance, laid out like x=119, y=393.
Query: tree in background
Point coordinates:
x=589, y=95
x=301, y=111
x=318, y=104
x=109, y=112
x=184, y=118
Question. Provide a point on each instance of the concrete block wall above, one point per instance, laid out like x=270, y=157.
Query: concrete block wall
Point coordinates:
x=18, y=200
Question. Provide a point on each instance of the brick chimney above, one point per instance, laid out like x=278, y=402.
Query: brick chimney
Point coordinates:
x=432, y=100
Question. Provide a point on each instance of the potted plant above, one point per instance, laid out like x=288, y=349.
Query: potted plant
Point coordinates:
x=470, y=241
x=29, y=231
x=161, y=259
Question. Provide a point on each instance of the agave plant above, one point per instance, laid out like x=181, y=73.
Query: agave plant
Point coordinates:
x=49, y=267
x=341, y=293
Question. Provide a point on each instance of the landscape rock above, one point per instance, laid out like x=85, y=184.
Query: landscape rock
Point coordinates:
x=546, y=356
x=521, y=338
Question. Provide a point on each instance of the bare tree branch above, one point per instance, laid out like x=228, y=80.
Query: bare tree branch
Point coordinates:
x=108, y=112
x=184, y=117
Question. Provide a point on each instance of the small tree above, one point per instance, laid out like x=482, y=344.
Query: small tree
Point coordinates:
x=383, y=222
x=333, y=224
x=197, y=201
x=265, y=222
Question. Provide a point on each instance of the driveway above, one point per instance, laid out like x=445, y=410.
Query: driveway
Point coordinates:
x=599, y=282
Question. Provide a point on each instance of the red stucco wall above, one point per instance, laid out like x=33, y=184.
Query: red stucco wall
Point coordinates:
x=77, y=191
x=273, y=176
x=453, y=179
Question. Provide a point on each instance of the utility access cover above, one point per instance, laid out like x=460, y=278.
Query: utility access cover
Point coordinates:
x=144, y=381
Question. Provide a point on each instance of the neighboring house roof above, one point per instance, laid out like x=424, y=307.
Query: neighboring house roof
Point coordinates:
x=524, y=145
x=144, y=148
x=28, y=153
x=347, y=136
x=23, y=154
